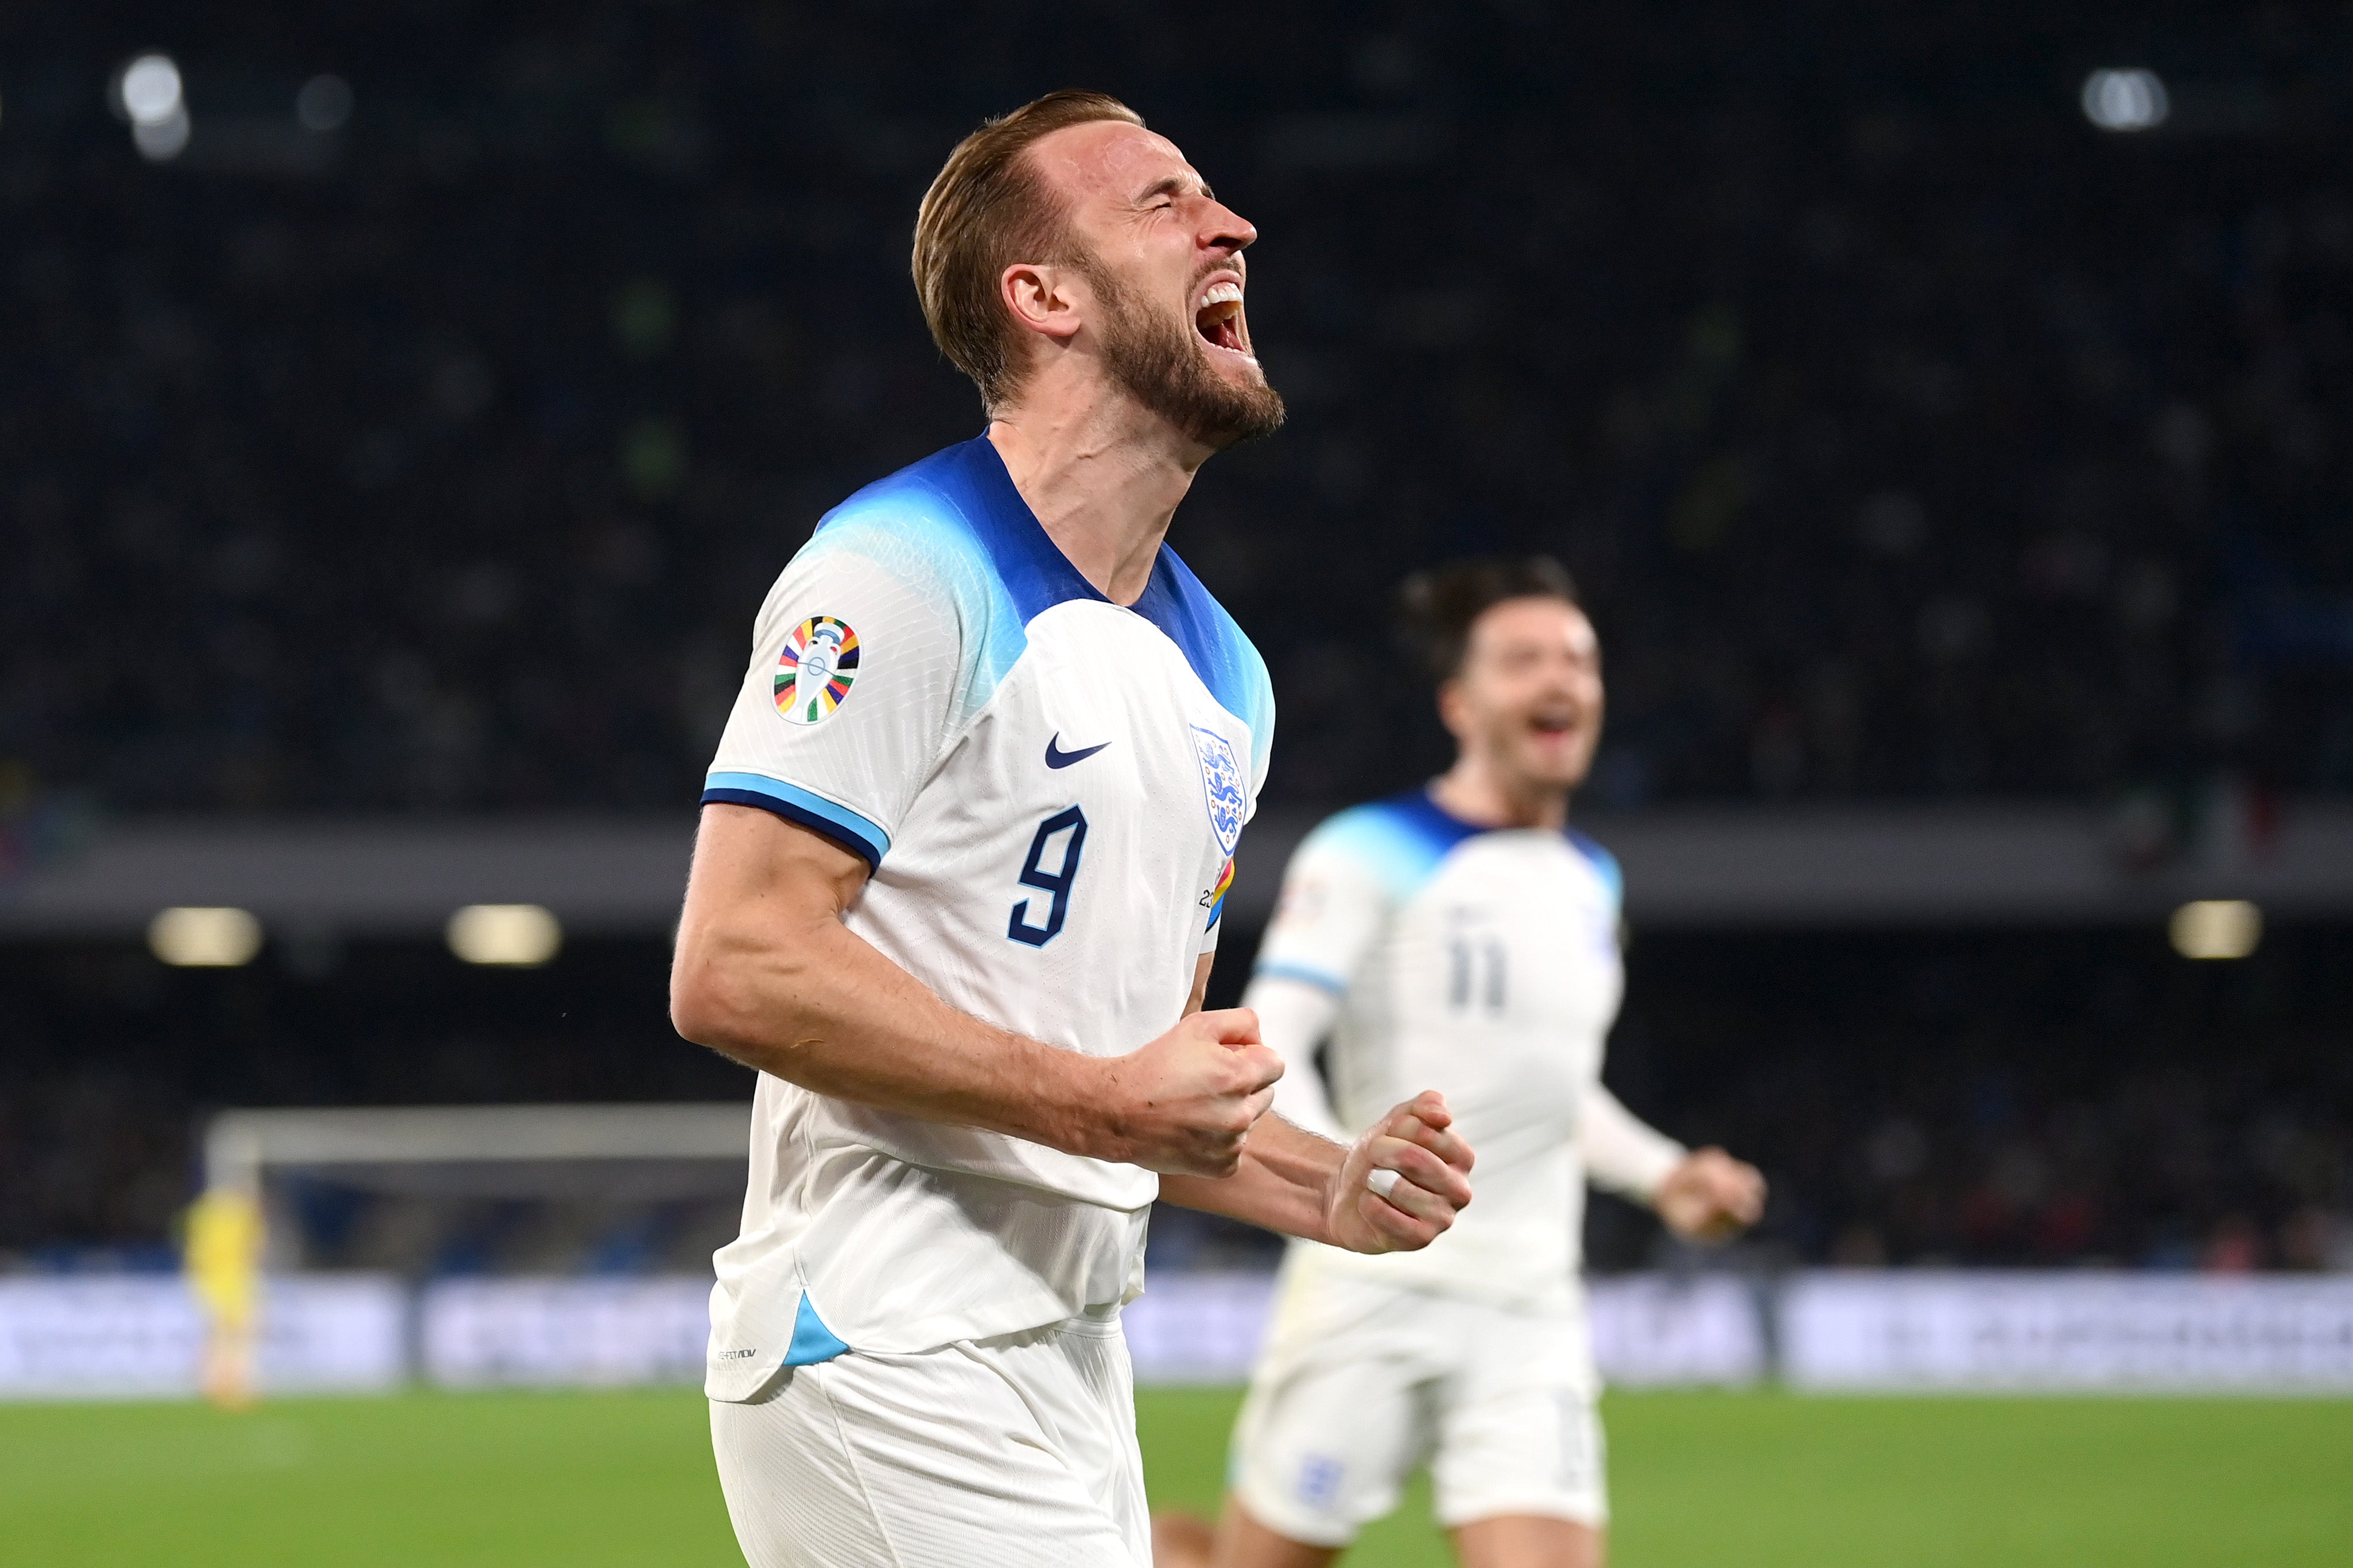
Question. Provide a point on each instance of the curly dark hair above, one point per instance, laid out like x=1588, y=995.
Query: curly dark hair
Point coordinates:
x=1437, y=608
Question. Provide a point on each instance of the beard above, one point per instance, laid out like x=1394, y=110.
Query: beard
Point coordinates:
x=1163, y=364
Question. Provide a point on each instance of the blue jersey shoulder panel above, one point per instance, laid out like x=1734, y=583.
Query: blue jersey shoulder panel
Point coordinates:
x=1227, y=662
x=1401, y=840
x=955, y=516
x=1605, y=866
x=954, y=520
x=971, y=477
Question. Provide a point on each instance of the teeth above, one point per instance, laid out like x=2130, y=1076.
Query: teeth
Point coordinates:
x=1227, y=293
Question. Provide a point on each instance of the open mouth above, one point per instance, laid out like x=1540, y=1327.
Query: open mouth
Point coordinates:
x=1552, y=726
x=1218, y=317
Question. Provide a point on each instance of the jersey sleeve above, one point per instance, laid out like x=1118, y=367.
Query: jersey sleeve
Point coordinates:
x=850, y=694
x=1333, y=905
x=1294, y=1017
x=1623, y=1152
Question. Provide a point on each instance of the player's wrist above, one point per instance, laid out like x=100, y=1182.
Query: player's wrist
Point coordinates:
x=1649, y=1177
x=1093, y=1115
x=1342, y=1183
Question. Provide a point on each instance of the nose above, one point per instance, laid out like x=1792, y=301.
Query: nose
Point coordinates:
x=1224, y=229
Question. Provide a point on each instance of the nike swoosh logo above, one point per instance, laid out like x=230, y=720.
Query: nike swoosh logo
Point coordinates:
x=1058, y=758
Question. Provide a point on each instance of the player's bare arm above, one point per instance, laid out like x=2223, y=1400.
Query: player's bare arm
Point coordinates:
x=1702, y=1194
x=1301, y=1184
x=1292, y=1181
x=767, y=973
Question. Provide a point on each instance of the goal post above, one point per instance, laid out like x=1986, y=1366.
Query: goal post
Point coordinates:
x=241, y=1147
x=420, y=1190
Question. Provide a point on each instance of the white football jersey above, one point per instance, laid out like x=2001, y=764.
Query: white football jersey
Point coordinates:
x=1480, y=963
x=1048, y=788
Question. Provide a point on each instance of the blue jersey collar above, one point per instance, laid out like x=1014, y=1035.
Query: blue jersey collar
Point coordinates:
x=1038, y=576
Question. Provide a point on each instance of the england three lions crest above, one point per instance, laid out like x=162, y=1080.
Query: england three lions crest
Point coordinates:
x=1222, y=786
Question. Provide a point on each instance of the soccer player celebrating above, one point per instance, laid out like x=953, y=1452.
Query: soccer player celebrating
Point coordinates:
x=1462, y=936
x=961, y=857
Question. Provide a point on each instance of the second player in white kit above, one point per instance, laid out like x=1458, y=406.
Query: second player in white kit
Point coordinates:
x=1484, y=960
x=1464, y=936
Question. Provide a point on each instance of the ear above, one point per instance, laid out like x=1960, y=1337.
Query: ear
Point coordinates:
x=1450, y=709
x=1044, y=299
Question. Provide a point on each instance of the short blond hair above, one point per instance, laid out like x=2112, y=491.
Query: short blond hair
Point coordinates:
x=987, y=210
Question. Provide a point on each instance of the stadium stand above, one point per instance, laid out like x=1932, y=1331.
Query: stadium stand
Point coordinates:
x=432, y=464
x=436, y=462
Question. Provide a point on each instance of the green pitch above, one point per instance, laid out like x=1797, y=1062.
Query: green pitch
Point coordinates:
x=588, y=1480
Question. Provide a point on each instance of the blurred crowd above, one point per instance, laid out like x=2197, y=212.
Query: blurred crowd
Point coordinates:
x=2022, y=1099
x=1911, y=436
x=2027, y=1098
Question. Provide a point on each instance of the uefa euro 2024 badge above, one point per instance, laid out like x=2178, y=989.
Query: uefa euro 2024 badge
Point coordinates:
x=814, y=674
x=1221, y=783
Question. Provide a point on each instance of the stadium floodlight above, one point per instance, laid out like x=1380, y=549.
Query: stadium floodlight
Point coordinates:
x=324, y=103
x=204, y=938
x=150, y=89
x=513, y=936
x=2125, y=100
x=149, y=93
x=2217, y=927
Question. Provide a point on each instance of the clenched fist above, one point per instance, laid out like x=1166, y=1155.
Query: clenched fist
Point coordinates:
x=1710, y=1196
x=1184, y=1104
x=1402, y=1183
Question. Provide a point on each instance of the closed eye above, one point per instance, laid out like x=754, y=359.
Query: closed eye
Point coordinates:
x=1164, y=192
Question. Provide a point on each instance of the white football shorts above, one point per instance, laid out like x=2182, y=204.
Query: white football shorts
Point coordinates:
x=1360, y=1383
x=1012, y=1452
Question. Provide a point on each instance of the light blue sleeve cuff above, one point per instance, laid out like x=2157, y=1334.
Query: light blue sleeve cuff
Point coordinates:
x=854, y=832
x=1277, y=970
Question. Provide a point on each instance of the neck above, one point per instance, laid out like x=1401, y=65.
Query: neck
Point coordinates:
x=1478, y=792
x=1102, y=475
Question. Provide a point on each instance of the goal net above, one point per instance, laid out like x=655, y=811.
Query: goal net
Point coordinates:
x=486, y=1190
x=517, y=1244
